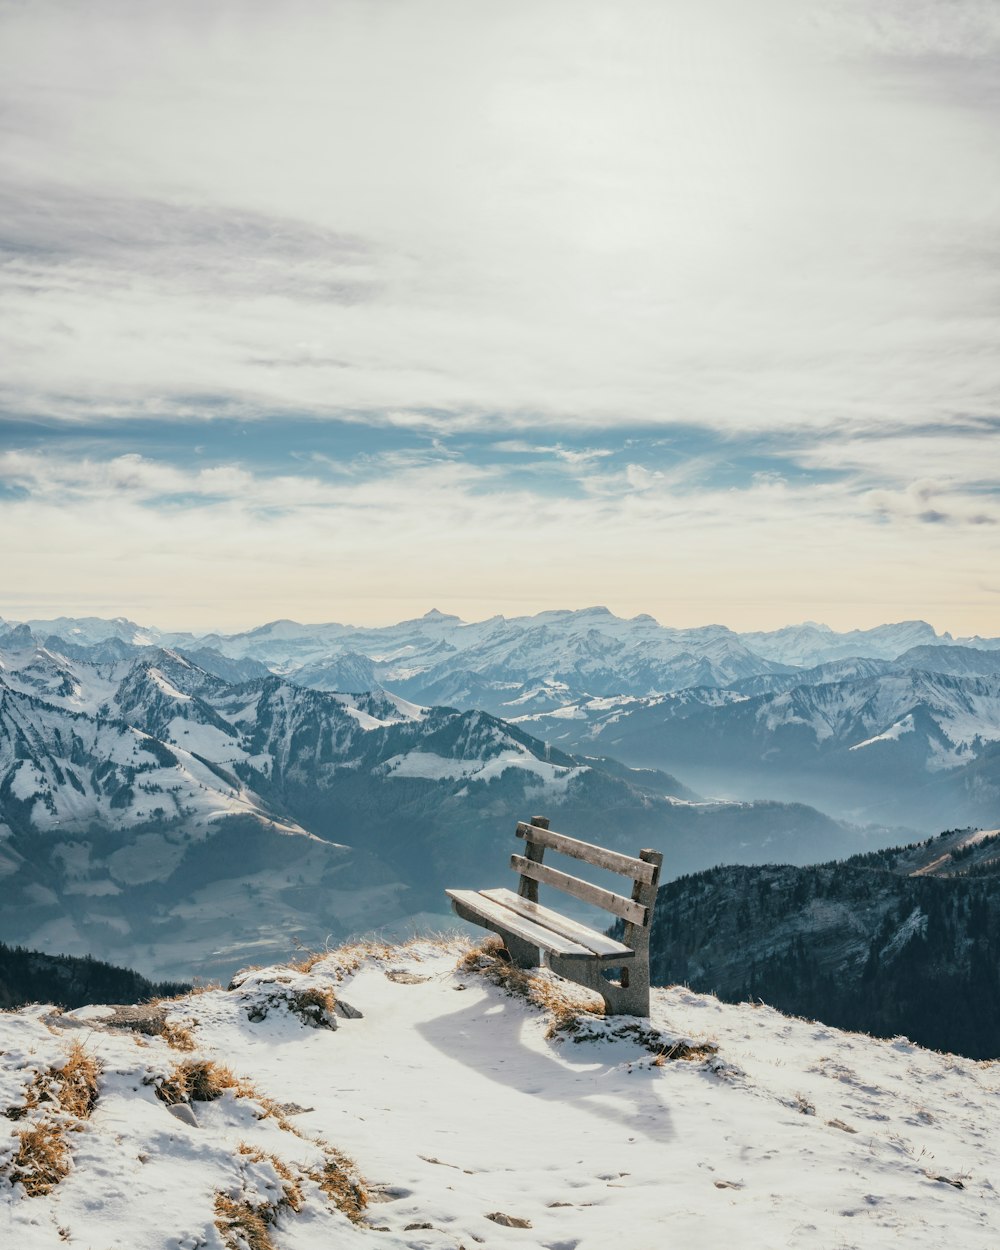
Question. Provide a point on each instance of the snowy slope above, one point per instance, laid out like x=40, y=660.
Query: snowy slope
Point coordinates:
x=472, y=1126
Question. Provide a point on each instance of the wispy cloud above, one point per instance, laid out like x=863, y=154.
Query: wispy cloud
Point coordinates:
x=676, y=307
x=227, y=544
x=722, y=214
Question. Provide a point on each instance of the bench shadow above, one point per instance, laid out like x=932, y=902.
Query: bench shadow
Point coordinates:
x=486, y=1036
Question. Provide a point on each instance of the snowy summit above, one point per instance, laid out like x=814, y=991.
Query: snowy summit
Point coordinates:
x=429, y=1096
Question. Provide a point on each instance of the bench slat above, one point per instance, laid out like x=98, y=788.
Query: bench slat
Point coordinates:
x=600, y=856
x=474, y=907
x=594, y=941
x=617, y=904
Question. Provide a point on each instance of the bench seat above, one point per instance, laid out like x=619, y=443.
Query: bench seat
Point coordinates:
x=503, y=911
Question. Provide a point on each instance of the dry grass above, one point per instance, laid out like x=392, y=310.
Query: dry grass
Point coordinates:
x=345, y=959
x=340, y=1182
x=314, y=1006
x=569, y=1007
x=241, y=1225
x=244, y=1224
x=41, y=1159
x=178, y=1036
x=693, y=1052
x=200, y=1080
x=77, y=1081
x=562, y=1001
x=291, y=1190
x=348, y=958
x=63, y=1097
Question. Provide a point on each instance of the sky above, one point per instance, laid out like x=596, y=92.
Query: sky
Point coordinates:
x=342, y=310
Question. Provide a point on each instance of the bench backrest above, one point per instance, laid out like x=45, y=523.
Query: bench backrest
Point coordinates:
x=636, y=910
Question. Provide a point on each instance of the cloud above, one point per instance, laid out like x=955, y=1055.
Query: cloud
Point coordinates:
x=699, y=302
x=223, y=544
x=421, y=215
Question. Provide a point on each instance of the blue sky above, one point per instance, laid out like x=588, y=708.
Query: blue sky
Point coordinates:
x=343, y=311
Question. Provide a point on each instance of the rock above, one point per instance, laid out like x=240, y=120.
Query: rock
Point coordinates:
x=347, y=1012
x=508, y=1221
x=182, y=1111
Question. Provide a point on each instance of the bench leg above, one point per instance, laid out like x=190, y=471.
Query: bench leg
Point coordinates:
x=628, y=996
x=522, y=954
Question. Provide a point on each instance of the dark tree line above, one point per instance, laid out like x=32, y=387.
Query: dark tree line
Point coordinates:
x=851, y=944
x=67, y=981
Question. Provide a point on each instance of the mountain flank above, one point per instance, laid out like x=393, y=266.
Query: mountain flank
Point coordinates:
x=28, y=976
x=898, y=941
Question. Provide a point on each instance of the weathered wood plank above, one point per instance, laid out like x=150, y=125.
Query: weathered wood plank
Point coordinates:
x=534, y=851
x=599, y=856
x=617, y=904
x=473, y=907
x=594, y=941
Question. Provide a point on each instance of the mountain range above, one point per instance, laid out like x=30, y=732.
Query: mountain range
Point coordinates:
x=896, y=725
x=156, y=813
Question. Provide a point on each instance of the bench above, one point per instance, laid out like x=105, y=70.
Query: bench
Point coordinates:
x=573, y=950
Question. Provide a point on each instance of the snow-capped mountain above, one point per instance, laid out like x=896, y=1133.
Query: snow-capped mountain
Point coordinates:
x=809, y=644
x=515, y=665
x=856, y=737
x=148, y=802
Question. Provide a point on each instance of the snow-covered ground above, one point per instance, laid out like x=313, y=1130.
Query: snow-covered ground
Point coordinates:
x=472, y=1126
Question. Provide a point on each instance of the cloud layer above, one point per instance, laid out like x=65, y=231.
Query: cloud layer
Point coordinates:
x=334, y=309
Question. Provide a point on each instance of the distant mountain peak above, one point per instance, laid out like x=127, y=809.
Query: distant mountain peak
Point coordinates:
x=19, y=638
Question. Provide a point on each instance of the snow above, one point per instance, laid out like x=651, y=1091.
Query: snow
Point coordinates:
x=432, y=767
x=455, y=1105
x=915, y=924
x=405, y=710
x=167, y=687
x=903, y=726
x=151, y=857
x=202, y=739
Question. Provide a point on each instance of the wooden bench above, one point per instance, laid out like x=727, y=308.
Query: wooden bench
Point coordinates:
x=573, y=950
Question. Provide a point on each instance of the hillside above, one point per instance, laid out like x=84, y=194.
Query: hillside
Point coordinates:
x=28, y=976
x=905, y=940
x=450, y=1113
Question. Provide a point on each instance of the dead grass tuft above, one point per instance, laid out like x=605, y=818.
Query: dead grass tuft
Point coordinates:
x=345, y=959
x=692, y=1052
x=178, y=1036
x=62, y=1098
x=77, y=1082
x=340, y=1182
x=41, y=1159
x=314, y=1006
x=572, y=1009
x=291, y=1189
x=200, y=1080
x=241, y=1225
x=246, y=1225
